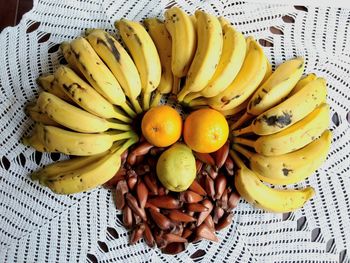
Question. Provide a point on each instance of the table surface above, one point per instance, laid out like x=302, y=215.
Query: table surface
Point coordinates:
x=11, y=11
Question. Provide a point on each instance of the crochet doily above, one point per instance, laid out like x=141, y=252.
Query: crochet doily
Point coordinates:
x=39, y=226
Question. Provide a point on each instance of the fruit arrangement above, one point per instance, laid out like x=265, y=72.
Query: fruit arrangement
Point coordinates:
x=175, y=180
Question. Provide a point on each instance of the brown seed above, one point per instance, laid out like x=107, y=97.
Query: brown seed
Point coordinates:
x=162, y=191
x=150, y=206
x=137, y=219
x=210, y=223
x=199, y=165
x=124, y=156
x=196, y=207
x=147, y=235
x=159, y=238
x=142, y=149
x=127, y=217
x=205, y=158
x=209, y=186
x=233, y=200
x=229, y=166
x=171, y=238
x=132, y=181
x=120, y=175
x=187, y=232
x=190, y=197
x=137, y=234
x=220, y=185
x=224, y=222
x=131, y=159
x=211, y=171
x=203, y=215
x=121, y=190
x=197, y=188
x=178, y=229
x=142, y=169
x=156, y=150
x=166, y=202
x=151, y=184
x=132, y=202
x=139, y=159
x=178, y=216
x=221, y=155
x=174, y=248
x=161, y=220
x=222, y=202
x=217, y=214
x=203, y=231
x=142, y=193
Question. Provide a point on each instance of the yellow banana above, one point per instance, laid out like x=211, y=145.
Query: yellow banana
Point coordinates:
x=86, y=96
x=49, y=84
x=183, y=32
x=223, y=21
x=268, y=70
x=98, y=74
x=36, y=142
x=207, y=57
x=145, y=56
x=73, y=117
x=289, y=168
x=290, y=111
x=274, y=89
x=302, y=83
x=232, y=57
x=248, y=79
x=294, y=137
x=69, y=57
x=235, y=110
x=161, y=38
x=55, y=139
x=89, y=176
x=119, y=62
x=258, y=194
x=36, y=115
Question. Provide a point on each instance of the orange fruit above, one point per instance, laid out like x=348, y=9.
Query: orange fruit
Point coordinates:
x=205, y=130
x=161, y=126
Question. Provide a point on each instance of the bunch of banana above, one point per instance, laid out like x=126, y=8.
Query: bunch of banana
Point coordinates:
x=250, y=187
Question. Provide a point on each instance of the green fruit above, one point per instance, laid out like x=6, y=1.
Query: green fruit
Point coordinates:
x=176, y=168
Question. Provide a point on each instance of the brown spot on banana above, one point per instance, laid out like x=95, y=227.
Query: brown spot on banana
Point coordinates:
x=279, y=121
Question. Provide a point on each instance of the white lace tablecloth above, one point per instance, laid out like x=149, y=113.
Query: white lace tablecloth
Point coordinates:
x=39, y=226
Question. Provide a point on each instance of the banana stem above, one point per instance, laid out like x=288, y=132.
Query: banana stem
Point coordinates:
x=128, y=143
x=176, y=85
x=120, y=116
x=128, y=109
x=237, y=160
x=245, y=130
x=135, y=103
x=156, y=99
x=244, y=141
x=245, y=117
x=198, y=102
x=122, y=136
x=241, y=150
x=146, y=100
x=119, y=126
x=191, y=96
x=182, y=94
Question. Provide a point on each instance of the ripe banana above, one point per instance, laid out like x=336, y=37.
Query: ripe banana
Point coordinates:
x=89, y=176
x=69, y=57
x=73, y=117
x=289, y=168
x=36, y=115
x=182, y=31
x=248, y=79
x=55, y=139
x=49, y=84
x=232, y=57
x=161, y=38
x=35, y=141
x=145, y=56
x=119, y=62
x=268, y=70
x=294, y=137
x=86, y=96
x=274, y=89
x=98, y=74
x=207, y=57
x=302, y=83
x=289, y=111
x=258, y=194
x=235, y=110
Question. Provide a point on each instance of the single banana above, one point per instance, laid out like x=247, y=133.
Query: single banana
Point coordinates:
x=232, y=57
x=235, y=110
x=289, y=168
x=119, y=62
x=246, y=82
x=55, y=139
x=182, y=31
x=269, y=199
x=161, y=38
x=49, y=84
x=35, y=141
x=274, y=89
x=208, y=53
x=294, y=137
x=89, y=176
x=268, y=70
x=69, y=57
x=98, y=74
x=289, y=111
x=145, y=56
x=86, y=96
x=73, y=117
x=302, y=83
x=36, y=115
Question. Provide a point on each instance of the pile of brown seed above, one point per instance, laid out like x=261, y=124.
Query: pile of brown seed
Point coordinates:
x=169, y=219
